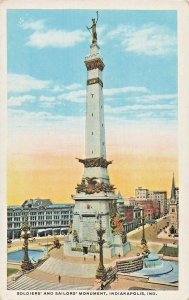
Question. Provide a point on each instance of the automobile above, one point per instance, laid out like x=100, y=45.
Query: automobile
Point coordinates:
x=9, y=241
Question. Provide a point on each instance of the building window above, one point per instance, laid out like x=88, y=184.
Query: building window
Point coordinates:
x=173, y=210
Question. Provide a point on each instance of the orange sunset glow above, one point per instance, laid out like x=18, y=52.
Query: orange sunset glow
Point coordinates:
x=55, y=177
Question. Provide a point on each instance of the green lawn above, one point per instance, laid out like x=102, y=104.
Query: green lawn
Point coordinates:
x=10, y=271
x=169, y=251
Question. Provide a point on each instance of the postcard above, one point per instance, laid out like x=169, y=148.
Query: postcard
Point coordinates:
x=94, y=149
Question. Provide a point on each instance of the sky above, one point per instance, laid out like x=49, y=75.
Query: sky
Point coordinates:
x=47, y=99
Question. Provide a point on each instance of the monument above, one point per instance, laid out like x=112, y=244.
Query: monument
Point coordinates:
x=95, y=198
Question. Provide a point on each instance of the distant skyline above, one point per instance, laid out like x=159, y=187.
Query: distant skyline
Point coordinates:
x=47, y=98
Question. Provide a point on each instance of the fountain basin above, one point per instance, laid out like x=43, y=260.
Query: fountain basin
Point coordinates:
x=157, y=268
x=17, y=256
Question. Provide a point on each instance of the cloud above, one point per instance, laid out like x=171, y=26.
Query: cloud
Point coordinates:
x=48, y=101
x=31, y=120
x=153, y=98
x=47, y=98
x=20, y=115
x=79, y=95
x=125, y=108
x=19, y=100
x=56, y=38
x=126, y=89
x=74, y=96
x=21, y=83
x=43, y=37
x=60, y=88
x=33, y=25
x=151, y=39
x=73, y=86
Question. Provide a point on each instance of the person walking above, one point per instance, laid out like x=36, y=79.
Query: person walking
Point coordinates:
x=59, y=278
x=94, y=257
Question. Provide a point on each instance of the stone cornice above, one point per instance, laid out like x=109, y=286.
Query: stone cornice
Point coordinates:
x=95, y=162
x=94, y=64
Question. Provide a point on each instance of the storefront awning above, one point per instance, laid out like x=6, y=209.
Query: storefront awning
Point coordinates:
x=41, y=230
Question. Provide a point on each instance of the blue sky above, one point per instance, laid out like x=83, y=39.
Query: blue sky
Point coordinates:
x=47, y=75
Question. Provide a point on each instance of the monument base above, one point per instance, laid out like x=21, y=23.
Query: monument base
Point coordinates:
x=120, y=248
x=79, y=249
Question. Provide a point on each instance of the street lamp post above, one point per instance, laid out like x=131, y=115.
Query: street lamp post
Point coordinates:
x=144, y=246
x=101, y=271
x=47, y=244
x=26, y=234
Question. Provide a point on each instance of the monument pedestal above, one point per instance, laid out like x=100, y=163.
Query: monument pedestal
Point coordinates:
x=83, y=239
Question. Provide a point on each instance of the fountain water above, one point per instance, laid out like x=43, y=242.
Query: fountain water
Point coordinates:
x=156, y=267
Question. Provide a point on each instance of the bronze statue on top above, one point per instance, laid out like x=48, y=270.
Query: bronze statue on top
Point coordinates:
x=93, y=27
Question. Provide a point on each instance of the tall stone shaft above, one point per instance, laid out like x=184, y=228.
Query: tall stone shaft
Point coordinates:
x=95, y=162
x=95, y=133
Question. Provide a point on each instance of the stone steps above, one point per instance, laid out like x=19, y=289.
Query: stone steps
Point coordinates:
x=65, y=268
x=28, y=283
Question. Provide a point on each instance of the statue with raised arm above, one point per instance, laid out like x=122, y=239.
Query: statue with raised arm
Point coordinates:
x=93, y=27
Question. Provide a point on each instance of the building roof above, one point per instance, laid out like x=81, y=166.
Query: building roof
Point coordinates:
x=36, y=202
x=13, y=206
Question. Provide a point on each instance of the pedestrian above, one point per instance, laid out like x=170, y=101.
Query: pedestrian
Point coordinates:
x=94, y=257
x=84, y=258
x=119, y=255
x=59, y=278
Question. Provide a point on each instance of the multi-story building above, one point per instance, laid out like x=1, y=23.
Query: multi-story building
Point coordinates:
x=160, y=196
x=44, y=217
x=144, y=194
x=133, y=217
x=141, y=193
x=151, y=209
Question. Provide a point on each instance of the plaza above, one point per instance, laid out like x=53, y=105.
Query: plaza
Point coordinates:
x=79, y=272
